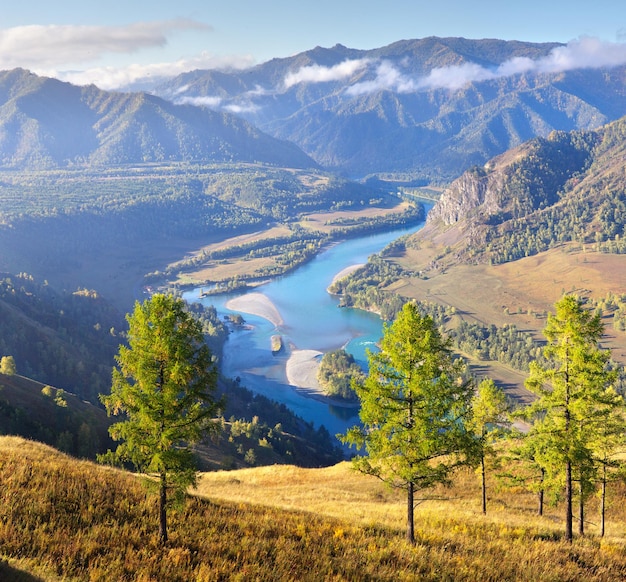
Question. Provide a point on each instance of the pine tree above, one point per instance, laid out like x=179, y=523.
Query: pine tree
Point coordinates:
x=414, y=410
x=164, y=388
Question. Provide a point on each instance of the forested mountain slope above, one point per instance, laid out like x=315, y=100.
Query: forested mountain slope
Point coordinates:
x=45, y=123
x=569, y=186
x=424, y=109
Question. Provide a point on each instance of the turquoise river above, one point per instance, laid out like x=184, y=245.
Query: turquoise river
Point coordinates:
x=310, y=320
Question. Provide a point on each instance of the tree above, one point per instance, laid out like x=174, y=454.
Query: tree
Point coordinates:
x=575, y=398
x=336, y=372
x=7, y=366
x=414, y=410
x=489, y=409
x=608, y=447
x=164, y=387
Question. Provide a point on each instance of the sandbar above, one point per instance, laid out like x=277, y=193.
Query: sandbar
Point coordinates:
x=256, y=304
x=302, y=368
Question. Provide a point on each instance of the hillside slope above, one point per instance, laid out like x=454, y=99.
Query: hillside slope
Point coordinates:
x=72, y=520
x=45, y=123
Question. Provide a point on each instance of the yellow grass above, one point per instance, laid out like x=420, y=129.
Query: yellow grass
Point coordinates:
x=337, y=492
x=69, y=520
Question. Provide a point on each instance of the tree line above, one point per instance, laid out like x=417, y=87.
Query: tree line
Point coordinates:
x=422, y=418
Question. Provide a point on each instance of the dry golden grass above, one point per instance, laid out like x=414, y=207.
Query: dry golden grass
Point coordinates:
x=337, y=492
x=342, y=493
x=69, y=520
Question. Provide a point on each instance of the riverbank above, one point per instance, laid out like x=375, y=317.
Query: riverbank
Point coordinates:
x=344, y=273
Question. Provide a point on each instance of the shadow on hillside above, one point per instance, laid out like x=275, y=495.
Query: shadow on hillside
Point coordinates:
x=7, y=572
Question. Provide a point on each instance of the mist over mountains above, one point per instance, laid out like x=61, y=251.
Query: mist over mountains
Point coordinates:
x=415, y=111
x=419, y=110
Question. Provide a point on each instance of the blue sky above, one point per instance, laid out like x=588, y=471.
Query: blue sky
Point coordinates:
x=115, y=42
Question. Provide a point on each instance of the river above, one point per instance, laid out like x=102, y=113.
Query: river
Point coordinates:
x=311, y=320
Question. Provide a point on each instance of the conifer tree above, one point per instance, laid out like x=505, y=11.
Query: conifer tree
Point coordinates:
x=414, y=410
x=489, y=410
x=163, y=388
x=575, y=398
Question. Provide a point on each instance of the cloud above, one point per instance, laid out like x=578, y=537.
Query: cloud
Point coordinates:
x=146, y=76
x=38, y=46
x=321, y=74
x=211, y=102
x=241, y=108
x=388, y=78
x=579, y=54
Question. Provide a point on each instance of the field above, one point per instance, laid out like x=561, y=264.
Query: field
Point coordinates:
x=519, y=293
x=67, y=520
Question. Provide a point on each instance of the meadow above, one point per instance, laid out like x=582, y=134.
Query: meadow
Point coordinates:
x=67, y=520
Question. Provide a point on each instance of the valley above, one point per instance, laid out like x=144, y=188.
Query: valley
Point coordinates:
x=299, y=181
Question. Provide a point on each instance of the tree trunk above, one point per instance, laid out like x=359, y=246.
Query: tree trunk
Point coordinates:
x=569, y=530
x=603, y=502
x=163, y=510
x=540, y=494
x=410, y=508
x=581, y=508
x=484, y=484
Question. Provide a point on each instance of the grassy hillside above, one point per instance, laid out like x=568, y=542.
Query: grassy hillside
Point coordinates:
x=61, y=519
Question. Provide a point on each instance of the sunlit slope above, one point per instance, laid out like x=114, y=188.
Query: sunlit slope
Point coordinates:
x=63, y=519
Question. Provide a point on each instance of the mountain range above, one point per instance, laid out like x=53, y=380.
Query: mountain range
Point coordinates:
x=415, y=111
x=418, y=110
x=46, y=123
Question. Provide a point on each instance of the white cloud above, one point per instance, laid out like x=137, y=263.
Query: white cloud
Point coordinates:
x=578, y=54
x=583, y=54
x=38, y=46
x=321, y=74
x=387, y=78
x=110, y=78
x=241, y=108
x=201, y=101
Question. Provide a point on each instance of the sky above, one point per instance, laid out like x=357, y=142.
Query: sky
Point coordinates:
x=114, y=43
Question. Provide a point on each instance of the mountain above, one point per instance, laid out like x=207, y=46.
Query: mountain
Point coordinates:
x=569, y=186
x=45, y=123
x=419, y=110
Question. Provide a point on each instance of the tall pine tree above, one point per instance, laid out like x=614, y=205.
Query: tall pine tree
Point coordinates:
x=574, y=399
